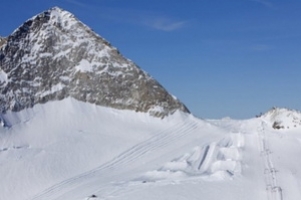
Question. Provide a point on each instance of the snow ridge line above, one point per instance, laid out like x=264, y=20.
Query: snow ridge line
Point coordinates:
x=274, y=191
x=160, y=139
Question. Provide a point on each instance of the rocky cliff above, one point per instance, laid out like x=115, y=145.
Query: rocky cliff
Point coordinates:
x=53, y=56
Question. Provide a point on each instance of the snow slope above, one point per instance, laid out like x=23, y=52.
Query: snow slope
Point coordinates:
x=60, y=140
x=73, y=150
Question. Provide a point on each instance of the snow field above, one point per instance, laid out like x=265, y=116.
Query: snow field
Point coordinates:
x=74, y=150
x=63, y=139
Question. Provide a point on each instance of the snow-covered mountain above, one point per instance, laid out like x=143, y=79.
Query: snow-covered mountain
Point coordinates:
x=282, y=118
x=62, y=139
x=53, y=56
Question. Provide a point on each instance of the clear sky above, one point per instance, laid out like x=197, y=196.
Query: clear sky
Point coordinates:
x=221, y=58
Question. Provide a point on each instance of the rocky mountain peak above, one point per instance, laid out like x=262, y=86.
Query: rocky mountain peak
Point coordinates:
x=53, y=56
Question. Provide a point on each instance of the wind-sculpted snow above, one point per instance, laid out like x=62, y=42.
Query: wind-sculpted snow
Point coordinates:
x=214, y=161
x=53, y=56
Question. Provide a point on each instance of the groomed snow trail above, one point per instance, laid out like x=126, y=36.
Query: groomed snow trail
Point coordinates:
x=110, y=171
x=274, y=191
x=216, y=157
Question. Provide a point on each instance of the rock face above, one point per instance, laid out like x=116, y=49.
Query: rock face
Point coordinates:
x=53, y=56
x=2, y=41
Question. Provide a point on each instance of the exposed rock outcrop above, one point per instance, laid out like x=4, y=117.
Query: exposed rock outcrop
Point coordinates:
x=53, y=56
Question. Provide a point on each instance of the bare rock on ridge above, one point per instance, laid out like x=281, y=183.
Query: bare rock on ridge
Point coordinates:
x=53, y=56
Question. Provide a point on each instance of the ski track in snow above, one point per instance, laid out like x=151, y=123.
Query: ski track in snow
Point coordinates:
x=159, y=140
x=274, y=191
x=236, y=140
x=89, y=182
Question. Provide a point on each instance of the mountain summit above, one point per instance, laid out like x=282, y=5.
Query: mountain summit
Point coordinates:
x=283, y=118
x=53, y=56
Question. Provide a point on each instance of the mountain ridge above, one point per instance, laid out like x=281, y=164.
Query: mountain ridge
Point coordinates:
x=53, y=55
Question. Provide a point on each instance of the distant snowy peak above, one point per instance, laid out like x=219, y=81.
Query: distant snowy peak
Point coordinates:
x=53, y=56
x=282, y=118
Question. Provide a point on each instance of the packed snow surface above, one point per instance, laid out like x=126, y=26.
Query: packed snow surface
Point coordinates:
x=69, y=149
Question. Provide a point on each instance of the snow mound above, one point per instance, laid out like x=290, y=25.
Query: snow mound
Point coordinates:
x=215, y=161
x=282, y=118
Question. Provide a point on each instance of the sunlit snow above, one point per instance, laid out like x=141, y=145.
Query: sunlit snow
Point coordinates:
x=73, y=150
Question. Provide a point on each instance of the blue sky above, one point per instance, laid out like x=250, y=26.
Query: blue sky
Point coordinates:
x=221, y=58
